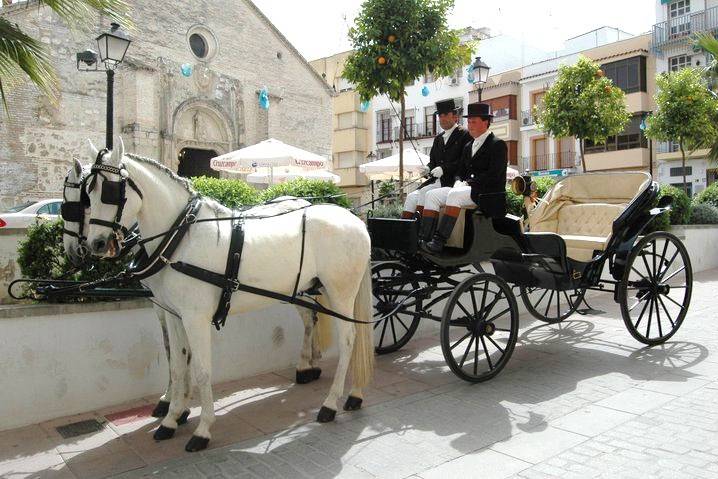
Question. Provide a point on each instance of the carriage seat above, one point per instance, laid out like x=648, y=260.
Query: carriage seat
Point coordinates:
x=582, y=209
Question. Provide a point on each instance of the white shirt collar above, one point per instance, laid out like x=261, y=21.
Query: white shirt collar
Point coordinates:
x=479, y=141
x=447, y=133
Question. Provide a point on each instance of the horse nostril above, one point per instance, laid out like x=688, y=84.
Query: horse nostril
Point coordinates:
x=99, y=245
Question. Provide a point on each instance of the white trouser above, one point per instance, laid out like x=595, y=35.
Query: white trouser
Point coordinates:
x=459, y=196
x=417, y=197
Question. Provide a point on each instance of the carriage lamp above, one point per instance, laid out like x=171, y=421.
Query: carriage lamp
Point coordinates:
x=480, y=72
x=112, y=47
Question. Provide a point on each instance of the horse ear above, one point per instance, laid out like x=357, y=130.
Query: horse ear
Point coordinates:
x=122, y=148
x=77, y=167
x=93, y=149
x=118, y=152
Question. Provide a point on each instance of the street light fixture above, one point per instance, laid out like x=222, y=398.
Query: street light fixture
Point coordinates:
x=112, y=47
x=480, y=71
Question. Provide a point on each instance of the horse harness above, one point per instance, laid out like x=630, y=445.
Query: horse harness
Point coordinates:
x=145, y=265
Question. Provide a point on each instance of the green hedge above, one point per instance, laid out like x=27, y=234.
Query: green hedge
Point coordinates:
x=316, y=191
x=704, y=214
x=231, y=193
x=41, y=255
x=709, y=196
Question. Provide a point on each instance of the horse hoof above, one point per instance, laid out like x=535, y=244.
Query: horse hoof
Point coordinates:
x=162, y=433
x=183, y=418
x=161, y=410
x=326, y=414
x=196, y=443
x=308, y=375
x=353, y=403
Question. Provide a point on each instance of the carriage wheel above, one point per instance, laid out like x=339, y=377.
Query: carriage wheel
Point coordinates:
x=479, y=327
x=395, y=331
x=656, y=288
x=550, y=305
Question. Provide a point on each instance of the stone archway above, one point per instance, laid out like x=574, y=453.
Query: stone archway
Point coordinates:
x=200, y=125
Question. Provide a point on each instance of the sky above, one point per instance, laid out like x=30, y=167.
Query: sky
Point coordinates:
x=318, y=28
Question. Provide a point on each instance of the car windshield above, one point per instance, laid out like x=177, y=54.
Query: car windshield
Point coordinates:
x=20, y=207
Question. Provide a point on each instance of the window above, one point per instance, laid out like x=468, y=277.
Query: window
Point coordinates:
x=678, y=171
x=383, y=153
x=688, y=187
x=383, y=126
x=202, y=42
x=679, y=62
x=344, y=84
x=427, y=150
x=49, y=209
x=456, y=77
x=678, y=18
x=198, y=45
x=629, y=75
x=429, y=121
x=631, y=137
x=350, y=119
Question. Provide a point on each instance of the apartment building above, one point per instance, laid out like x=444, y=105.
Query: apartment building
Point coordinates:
x=625, y=59
x=352, y=137
x=673, y=47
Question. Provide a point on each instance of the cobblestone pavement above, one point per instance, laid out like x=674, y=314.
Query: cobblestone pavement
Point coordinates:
x=580, y=399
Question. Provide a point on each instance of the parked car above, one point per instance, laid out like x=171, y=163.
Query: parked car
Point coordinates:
x=25, y=214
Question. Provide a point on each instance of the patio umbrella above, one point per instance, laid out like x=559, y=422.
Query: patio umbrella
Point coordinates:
x=280, y=176
x=388, y=168
x=269, y=153
x=511, y=173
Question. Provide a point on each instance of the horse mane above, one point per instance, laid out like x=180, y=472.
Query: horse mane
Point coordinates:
x=184, y=182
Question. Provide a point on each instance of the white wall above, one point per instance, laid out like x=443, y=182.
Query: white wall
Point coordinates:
x=52, y=365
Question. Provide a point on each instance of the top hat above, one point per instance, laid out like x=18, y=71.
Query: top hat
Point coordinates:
x=445, y=106
x=482, y=110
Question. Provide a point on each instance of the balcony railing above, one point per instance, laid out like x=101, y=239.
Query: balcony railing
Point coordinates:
x=667, y=147
x=678, y=29
x=551, y=161
x=416, y=131
x=384, y=131
x=501, y=114
x=527, y=118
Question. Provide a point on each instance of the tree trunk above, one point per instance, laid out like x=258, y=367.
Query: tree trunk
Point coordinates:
x=401, y=149
x=583, y=159
x=683, y=164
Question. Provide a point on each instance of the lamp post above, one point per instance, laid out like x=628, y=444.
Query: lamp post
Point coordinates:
x=112, y=47
x=480, y=71
x=642, y=126
x=369, y=158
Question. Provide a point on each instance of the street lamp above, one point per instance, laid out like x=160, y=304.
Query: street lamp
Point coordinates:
x=369, y=158
x=112, y=47
x=480, y=71
x=642, y=126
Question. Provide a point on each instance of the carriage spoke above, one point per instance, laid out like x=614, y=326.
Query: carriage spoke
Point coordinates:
x=461, y=340
x=469, y=316
x=674, y=301
x=466, y=353
x=658, y=319
x=648, y=268
x=639, y=301
x=402, y=322
x=663, y=256
x=486, y=352
x=673, y=274
x=393, y=331
x=666, y=311
x=558, y=304
x=476, y=356
x=640, y=274
x=548, y=305
x=653, y=249
x=668, y=266
x=650, y=318
x=495, y=344
x=542, y=297
x=383, y=331
x=498, y=314
x=643, y=311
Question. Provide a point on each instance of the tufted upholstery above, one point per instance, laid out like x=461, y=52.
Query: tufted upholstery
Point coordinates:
x=582, y=209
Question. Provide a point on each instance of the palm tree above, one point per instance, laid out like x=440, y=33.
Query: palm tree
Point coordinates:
x=23, y=57
x=709, y=44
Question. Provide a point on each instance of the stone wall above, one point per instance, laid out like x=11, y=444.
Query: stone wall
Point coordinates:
x=158, y=111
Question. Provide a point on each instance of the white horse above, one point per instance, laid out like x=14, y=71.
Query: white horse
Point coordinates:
x=336, y=252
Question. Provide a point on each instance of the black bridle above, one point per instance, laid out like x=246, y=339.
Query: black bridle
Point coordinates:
x=74, y=211
x=113, y=192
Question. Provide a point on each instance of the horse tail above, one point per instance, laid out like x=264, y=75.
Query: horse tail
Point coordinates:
x=362, y=363
x=324, y=329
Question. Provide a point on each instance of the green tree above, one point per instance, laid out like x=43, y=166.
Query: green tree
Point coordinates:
x=686, y=111
x=708, y=43
x=397, y=41
x=584, y=104
x=23, y=57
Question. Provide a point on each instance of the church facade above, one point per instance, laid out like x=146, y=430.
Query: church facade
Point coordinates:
x=186, y=91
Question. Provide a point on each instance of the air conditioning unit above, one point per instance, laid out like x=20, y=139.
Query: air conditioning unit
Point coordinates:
x=454, y=81
x=525, y=121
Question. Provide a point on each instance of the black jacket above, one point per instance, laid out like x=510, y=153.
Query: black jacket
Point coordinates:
x=486, y=173
x=447, y=154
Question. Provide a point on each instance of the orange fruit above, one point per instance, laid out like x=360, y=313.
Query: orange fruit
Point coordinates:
x=381, y=61
x=391, y=38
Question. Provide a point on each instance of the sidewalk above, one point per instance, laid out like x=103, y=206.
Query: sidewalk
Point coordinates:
x=580, y=399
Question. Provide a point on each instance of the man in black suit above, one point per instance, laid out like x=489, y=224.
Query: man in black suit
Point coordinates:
x=482, y=171
x=444, y=160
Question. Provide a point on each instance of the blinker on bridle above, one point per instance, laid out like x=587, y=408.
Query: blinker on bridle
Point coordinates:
x=113, y=192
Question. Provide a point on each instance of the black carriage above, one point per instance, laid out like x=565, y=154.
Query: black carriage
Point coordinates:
x=583, y=224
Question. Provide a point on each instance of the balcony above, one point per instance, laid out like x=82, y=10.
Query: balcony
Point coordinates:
x=502, y=114
x=384, y=131
x=551, y=161
x=527, y=118
x=678, y=30
x=417, y=130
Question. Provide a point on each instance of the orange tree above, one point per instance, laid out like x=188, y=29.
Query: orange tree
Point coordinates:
x=397, y=41
x=583, y=103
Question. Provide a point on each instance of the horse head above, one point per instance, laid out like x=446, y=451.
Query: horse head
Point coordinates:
x=75, y=213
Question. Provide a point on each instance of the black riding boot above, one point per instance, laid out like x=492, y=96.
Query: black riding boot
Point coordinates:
x=446, y=226
x=428, y=224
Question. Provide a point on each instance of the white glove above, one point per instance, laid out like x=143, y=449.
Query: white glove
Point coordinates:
x=437, y=172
